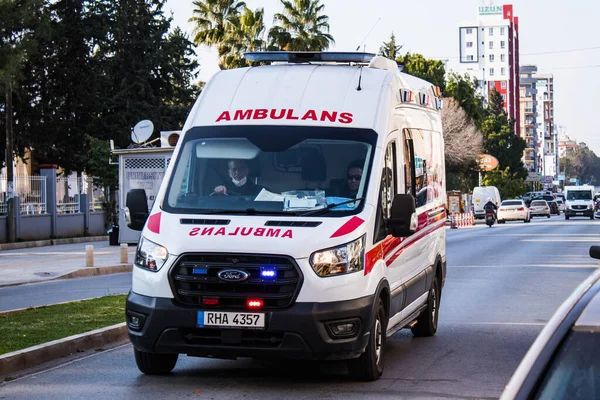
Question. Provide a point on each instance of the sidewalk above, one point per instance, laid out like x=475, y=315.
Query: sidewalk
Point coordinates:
x=51, y=262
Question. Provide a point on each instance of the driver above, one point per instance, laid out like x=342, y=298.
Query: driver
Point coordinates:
x=239, y=183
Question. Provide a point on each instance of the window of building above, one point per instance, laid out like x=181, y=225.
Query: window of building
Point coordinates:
x=501, y=31
x=491, y=44
x=502, y=44
x=491, y=58
x=491, y=31
x=503, y=59
x=470, y=57
x=491, y=71
x=503, y=86
x=469, y=31
x=469, y=44
x=502, y=71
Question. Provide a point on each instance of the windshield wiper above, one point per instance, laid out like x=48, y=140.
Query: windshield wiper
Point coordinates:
x=249, y=211
x=329, y=207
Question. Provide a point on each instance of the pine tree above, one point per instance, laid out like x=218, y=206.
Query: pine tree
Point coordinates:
x=390, y=49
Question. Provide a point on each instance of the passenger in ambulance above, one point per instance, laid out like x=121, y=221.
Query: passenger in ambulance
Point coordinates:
x=353, y=177
x=240, y=183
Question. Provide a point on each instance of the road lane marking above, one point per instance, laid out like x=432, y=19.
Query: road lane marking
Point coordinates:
x=552, y=240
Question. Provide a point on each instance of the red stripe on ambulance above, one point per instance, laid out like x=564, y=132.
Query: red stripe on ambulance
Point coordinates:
x=154, y=223
x=349, y=227
x=286, y=113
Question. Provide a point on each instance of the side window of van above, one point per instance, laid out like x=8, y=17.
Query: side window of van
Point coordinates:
x=388, y=188
x=423, y=165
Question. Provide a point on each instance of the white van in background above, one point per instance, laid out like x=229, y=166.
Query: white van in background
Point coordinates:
x=579, y=201
x=481, y=195
x=302, y=216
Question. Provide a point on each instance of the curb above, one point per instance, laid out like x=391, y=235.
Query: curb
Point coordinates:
x=51, y=242
x=82, y=273
x=36, y=355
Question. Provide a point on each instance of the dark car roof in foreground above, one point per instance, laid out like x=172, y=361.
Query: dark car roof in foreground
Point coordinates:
x=580, y=311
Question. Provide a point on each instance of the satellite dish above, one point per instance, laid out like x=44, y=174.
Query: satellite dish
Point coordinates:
x=142, y=131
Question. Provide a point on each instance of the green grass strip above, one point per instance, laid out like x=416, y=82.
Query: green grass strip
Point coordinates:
x=35, y=326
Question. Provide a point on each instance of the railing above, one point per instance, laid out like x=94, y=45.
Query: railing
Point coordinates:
x=67, y=195
x=30, y=189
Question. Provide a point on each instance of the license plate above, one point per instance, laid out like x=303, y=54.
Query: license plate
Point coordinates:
x=579, y=213
x=231, y=319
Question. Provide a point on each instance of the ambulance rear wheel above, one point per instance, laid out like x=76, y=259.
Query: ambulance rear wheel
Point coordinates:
x=428, y=320
x=369, y=366
x=153, y=363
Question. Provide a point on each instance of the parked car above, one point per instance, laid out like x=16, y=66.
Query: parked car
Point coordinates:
x=564, y=360
x=539, y=208
x=553, y=207
x=513, y=210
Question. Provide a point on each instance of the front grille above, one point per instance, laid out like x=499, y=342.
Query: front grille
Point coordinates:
x=228, y=337
x=579, y=207
x=190, y=288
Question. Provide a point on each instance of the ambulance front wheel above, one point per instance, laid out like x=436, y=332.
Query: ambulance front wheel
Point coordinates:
x=153, y=363
x=428, y=320
x=369, y=366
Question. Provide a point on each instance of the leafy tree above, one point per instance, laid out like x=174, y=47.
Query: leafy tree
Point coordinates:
x=390, y=49
x=581, y=163
x=213, y=19
x=463, y=89
x=21, y=26
x=430, y=70
x=301, y=26
x=499, y=138
x=510, y=185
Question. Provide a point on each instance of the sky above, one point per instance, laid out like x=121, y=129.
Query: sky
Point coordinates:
x=430, y=27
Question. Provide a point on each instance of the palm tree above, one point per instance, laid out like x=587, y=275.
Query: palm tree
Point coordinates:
x=213, y=18
x=301, y=26
x=245, y=33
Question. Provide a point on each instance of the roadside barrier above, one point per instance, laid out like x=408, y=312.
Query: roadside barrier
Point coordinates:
x=461, y=220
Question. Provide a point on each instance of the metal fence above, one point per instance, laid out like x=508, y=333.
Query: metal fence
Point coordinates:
x=30, y=189
x=67, y=194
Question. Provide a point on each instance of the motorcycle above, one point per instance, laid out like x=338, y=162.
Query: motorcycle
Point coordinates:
x=490, y=218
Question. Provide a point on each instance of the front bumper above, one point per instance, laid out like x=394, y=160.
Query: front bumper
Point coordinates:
x=579, y=213
x=298, y=332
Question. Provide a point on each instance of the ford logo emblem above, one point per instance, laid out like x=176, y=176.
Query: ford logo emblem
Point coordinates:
x=232, y=275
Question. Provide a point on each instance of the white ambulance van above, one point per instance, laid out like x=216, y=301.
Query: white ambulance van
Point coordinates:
x=302, y=216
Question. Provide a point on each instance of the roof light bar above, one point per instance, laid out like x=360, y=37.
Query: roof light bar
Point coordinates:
x=308, y=56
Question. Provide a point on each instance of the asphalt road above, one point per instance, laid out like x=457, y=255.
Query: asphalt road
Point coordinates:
x=62, y=290
x=503, y=284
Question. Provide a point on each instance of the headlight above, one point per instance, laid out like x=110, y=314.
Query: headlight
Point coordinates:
x=344, y=259
x=150, y=255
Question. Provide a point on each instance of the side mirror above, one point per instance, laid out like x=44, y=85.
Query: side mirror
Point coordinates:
x=136, y=211
x=403, y=221
x=595, y=252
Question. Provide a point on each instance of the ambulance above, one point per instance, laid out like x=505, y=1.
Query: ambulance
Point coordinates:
x=302, y=216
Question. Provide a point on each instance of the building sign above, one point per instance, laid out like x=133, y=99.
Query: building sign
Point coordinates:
x=490, y=10
x=487, y=162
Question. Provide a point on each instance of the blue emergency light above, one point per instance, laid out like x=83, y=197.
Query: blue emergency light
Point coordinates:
x=308, y=56
x=268, y=273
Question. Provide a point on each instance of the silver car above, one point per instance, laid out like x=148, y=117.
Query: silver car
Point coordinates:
x=564, y=360
x=539, y=208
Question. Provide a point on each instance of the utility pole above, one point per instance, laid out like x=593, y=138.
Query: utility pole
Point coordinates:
x=9, y=163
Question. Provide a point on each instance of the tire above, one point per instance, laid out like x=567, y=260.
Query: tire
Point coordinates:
x=592, y=217
x=369, y=366
x=548, y=215
x=153, y=363
x=566, y=217
x=428, y=320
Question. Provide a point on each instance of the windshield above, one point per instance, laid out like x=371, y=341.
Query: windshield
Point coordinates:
x=512, y=203
x=575, y=372
x=579, y=195
x=270, y=170
x=538, y=203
